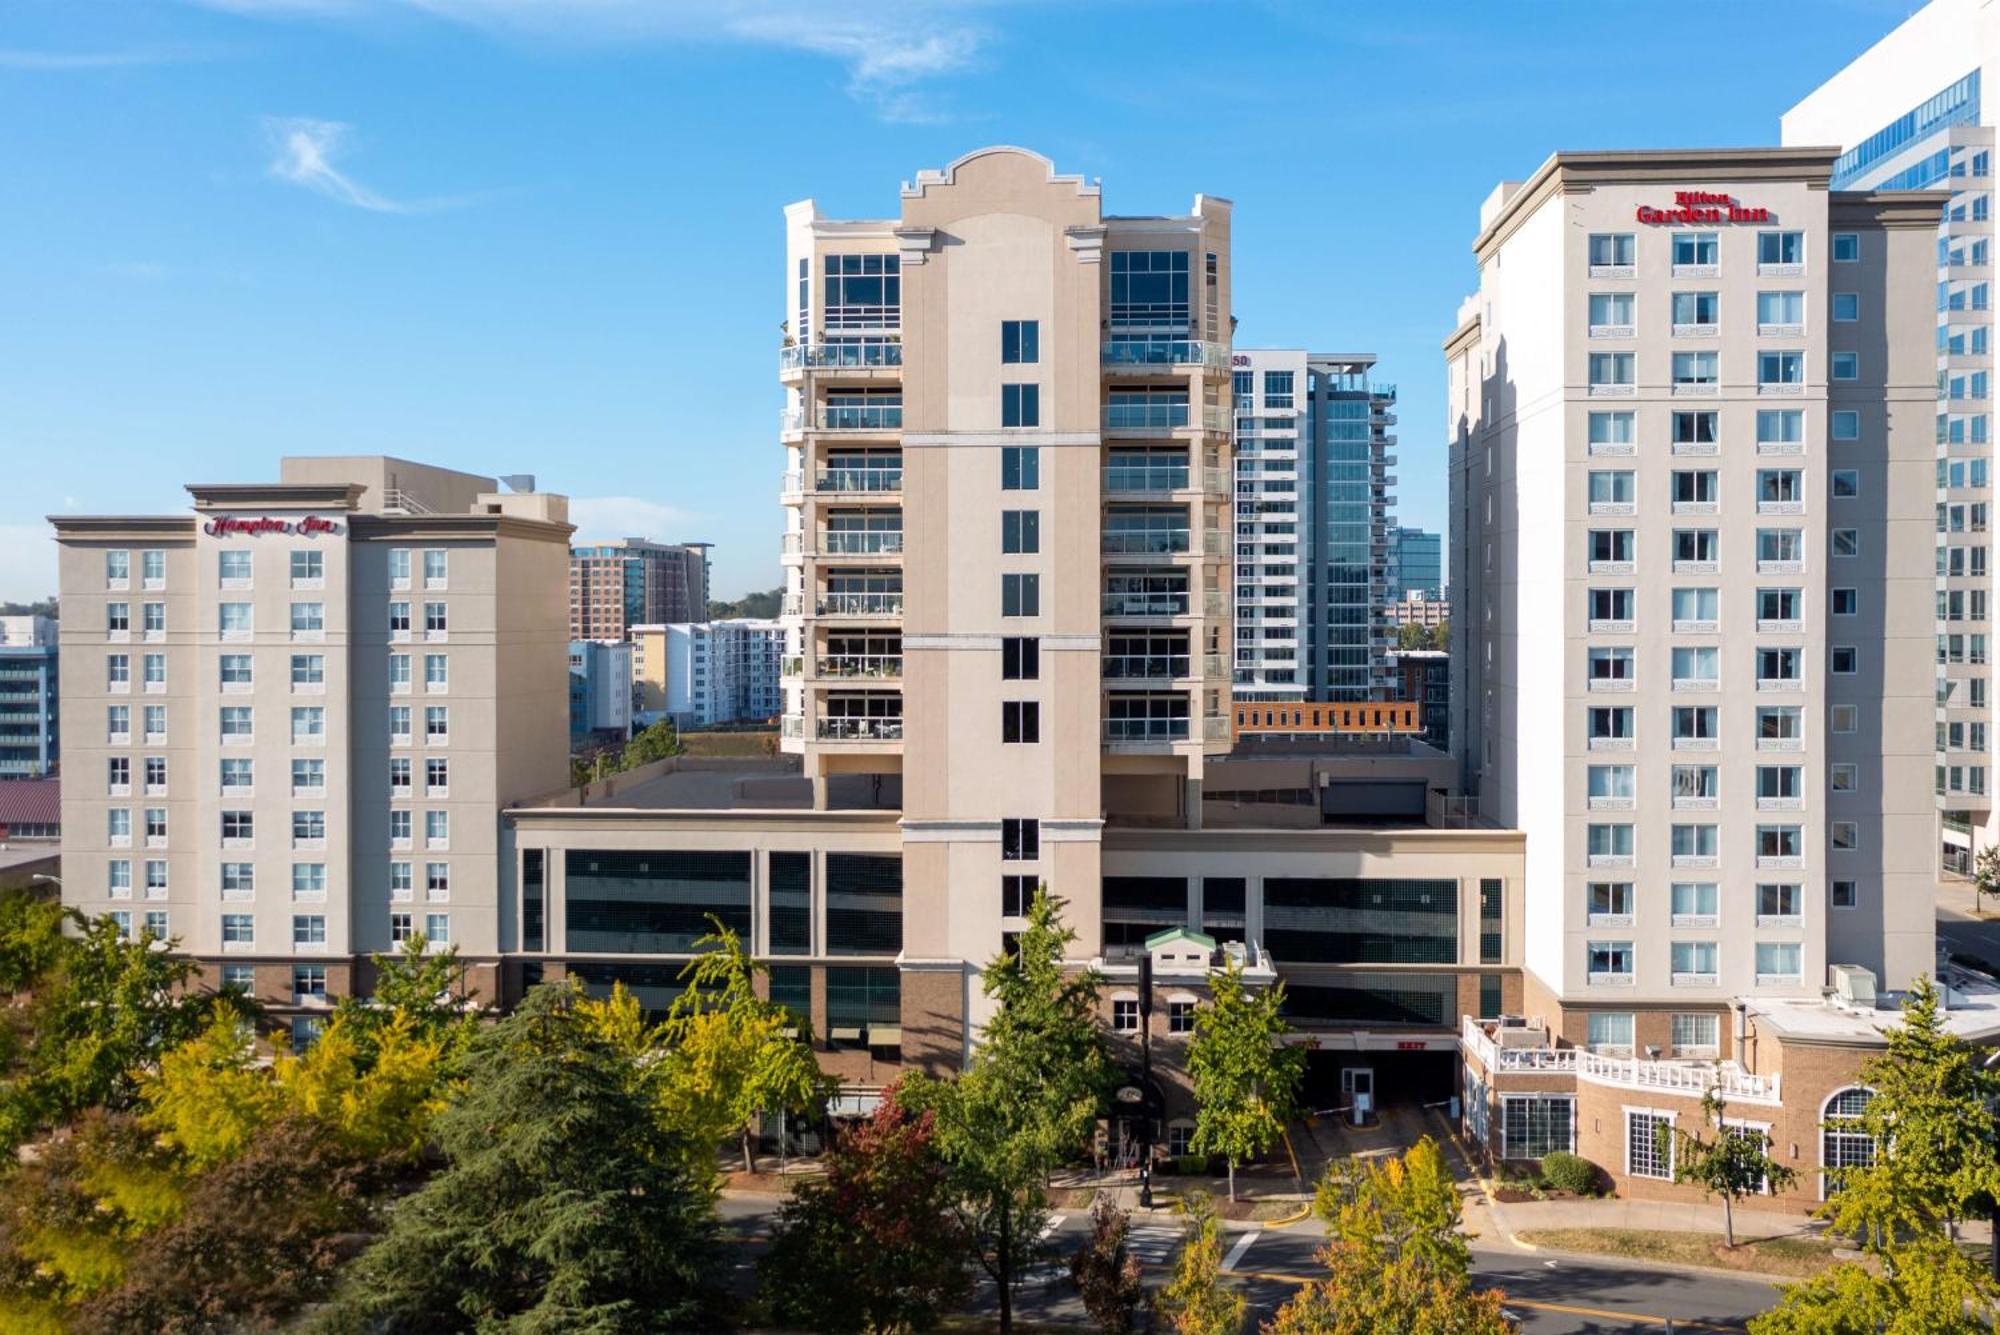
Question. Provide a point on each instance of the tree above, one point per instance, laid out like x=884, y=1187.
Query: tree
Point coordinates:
x=1930, y=1289
x=1396, y=1257
x=209, y=1097
x=565, y=1203
x=1028, y=1099
x=1985, y=875
x=1194, y=1302
x=654, y=743
x=873, y=1245
x=1245, y=1079
x=732, y=1056
x=1936, y=1154
x=763, y=604
x=1735, y=1162
x=1106, y=1273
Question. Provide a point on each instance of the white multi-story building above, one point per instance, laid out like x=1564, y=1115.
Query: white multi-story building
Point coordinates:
x=1909, y=114
x=293, y=713
x=1313, y=538
x=707, y=672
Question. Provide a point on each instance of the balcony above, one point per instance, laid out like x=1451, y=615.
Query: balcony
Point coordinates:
x=860, y=542
x=861, y=417
x=844, y=729
x=862, y=481
x=1143, y=418
x=859, y=665
x=1163, y=478
x=1150, y=542
x=840, y=357
x=1162, y=353
x=1147, y=731
x=859, y=605
x=1148, y=667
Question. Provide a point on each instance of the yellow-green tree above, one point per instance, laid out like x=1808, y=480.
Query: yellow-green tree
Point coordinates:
x=1195, y=1302
x=209, y=1097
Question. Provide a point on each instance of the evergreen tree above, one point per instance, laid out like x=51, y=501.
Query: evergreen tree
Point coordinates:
x=1245, y=1079
x=565, y=1204
x=873, y=1245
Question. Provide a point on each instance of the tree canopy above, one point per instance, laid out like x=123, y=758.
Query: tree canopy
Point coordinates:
x=1245, y=1079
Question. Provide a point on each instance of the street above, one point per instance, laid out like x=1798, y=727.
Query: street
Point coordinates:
x=1551, y=1295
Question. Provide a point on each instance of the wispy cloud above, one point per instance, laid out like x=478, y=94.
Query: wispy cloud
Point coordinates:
x=304, y=152
x=893, y=51
x=69, y=62
x=604, y=517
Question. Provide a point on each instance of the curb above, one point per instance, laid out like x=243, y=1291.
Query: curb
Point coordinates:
x=1662, y=1267
x=1304, y=1212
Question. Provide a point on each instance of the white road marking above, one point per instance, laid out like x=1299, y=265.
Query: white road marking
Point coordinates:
x=1236, y=1252
x=1153, y=1244
x=1055, y=1222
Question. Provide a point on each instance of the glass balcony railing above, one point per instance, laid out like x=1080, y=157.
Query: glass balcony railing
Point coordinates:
x=1147, y=542
x=1143, y=477
x=838, y=356
x=843, y=729
x=847, y=481
x=1164, y=667
x=1154, y=415
x=860, y=605
x=861, y=417
x=861, y=665
x=860, y=542
x=1146, y=729
x=1145, y=604
x=1156, y=350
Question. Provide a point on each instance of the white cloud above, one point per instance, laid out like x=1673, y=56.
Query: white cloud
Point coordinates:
x=305, y=149
x=27, y=562
x=888, y=47
x=599, y=518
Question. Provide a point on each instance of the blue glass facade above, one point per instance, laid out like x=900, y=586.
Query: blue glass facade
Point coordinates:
x=28, y=711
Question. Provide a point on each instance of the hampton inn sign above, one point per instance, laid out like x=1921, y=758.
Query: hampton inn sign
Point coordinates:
x=310, y=527
x=1704, y=206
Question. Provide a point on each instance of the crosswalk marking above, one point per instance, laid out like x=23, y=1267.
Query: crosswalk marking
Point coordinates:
x=1236, y=1252
x=1153, y=1244
x=1055, y=1222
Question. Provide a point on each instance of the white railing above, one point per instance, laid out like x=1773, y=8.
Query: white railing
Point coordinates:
x=397, y=501
x=845, y=481
x=843, y=729
x=860, y=605
x=859, y=542
x=839, y=356
x=1681, y=1077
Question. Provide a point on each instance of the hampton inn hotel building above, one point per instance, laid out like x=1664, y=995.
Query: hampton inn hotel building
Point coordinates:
x=1691, y=792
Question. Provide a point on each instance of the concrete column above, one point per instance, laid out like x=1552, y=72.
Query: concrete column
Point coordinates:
x=819, y=791
x=1192, y=800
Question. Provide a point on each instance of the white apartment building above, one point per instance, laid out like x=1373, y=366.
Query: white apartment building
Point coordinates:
x=1313, y=535
x=1915, y=112
x=294, y=711
x=703, y=673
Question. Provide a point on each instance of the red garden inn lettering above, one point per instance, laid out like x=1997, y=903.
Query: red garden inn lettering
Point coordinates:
x=309, y=527
x=1704, y=206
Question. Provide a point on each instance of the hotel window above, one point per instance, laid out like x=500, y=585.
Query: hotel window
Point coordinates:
x=308, y=929
x=238, y=929
x=399, y=724
x=118, y=618
x=118, y=672
x=153, y=569
x=1695, y=783
x=1845, y=425
x=1278, y=389
x=437, y=829
x=1777, y=604
x=308, y=776
x=1610, y=368
x=1694, y=368
x=1611, y=783
x=1609, y=841
x=308, y=828
x=1846, y=542
x=1020, y=840
x=399, y=882
x=1778, y=962
x=437, y=881
x=1534, y=1125
x=156, y=827
x=1843, y=895
x=1780, y=486
x=1611, y=724
x=1609, y=1033
x=1649, y=1144
x=1696, y=663
x=1695, y=546
x=1020, y=658
x=119, y=824
x=1692, y=842
x=1786, y=309
x=1846, y=247
x=1149, y=289
x=239, y=880
x=236, y=721
x=1696, y=308
x=399, y=618
x=1695, y=605
x=117, y=570
x=1613, y=248
x=1778, y=664
x=861, y=292
x=154, y=668
x=399, y=776
x=434, y=619
x=1608, y=310
x=1020, y=405
x=1845, y=483
x=1777, y=901
x=1843, y=660
x=1844, y=366
x=1180, y=1017
x=308, y=568
x=1694, y=723
x=1609, y=961
x=1020, y=342
x=1020, y=595
x=119, y=878
x=1779, y=546
x=1780, y=783
x=1613, y=488
x=239, y=829
x=437, y=929
x=1610, y=545
x=1844, y=718
x=1612, y=429
x=1610, y=903
x=1844, y=835
x=1780, y=426
x=309, y=880
x=308, y=620
x=235, y=670
x=1020, y=531
x=437, y=724
x=1781, y=368
x=308, y=670
x=1694, y=487
x=399, y=673
x=437, y=776
x=1846, y=307
x=400, y=929
x=1778, y=841
x=1020, y=468
x=308, y=724
x=1016, y=894
x=118, y=775
x=1692, y=961
x=399, y=567
x=1125, y=1015
x=436, y=672
x=1610, y=663
x=1696, y=248
x=153, y=619
x=153, y=723
x=233, y=618
x=435, y=568
x=1696, y=1035
x=1020, y=721
x=156, y=775
x=308, y=982
x=1611, y=605
x=1781, y=247
x=1695, y=428
x=233, y=568
x=1845, y=602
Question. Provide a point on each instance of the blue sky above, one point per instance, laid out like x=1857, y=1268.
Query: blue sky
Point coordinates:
x=545, y=235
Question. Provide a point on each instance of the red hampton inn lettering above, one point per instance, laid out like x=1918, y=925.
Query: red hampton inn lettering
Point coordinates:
x=1703, y=206
x=309, y=527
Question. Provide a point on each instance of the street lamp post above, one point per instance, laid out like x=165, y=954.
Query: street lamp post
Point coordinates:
x=1146, y=1081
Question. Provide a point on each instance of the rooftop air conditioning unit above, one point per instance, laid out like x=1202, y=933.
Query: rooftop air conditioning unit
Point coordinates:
x=1854, y=986
x=1513, y=1022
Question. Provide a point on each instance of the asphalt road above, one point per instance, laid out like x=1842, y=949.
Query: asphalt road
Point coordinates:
x=1550, y=1295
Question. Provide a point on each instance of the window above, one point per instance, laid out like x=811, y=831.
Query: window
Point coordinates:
x=435, y=621
x=1020, y=658
x=1777, y=900
x=1610, y=546
x=1020, y=721
x=1608, y=310
x=308, y=723
x=233, y=568
x=1842, y=1142
x=1278, y=390
x=1777, y=605
x=1020, y=531
x=1694, y=368
x=308, y=620
x=437, y=776
x=1844, y=834
x=1692, y=961
x=1020, y=468
x=437, y=723
x=1020, y=405
x=154, y=723
x=1610, y=903
x=1695, y=605
x=118, y=775
x=1613, y=488
x=1778, y=841
x=1846, y=307
x=1016, y=894
x=308, y=776
x=1692, y=843
x=437, y=881
x=1534, y=1125
x=238, y=829
x=1843, y=777
x=308, y=670
x=1611, y=784
x=1611, y=724
x=1614, y=605
x=239, y=880
x=1610, y=961
x=400, y=929
x=1844, y=366
x=1843, y=895
x=1696, y=664
x=1846, y=247
x=308, y=983
x=1125, y=1015
x=118, y=618
x=233, y=619
x=1780, y=426
x=399, y=673
x=1020, y=595
x=235, y=670
x=1608, y=1033
x=435, y=568
x=399, y=723
x=1615, y=430
x=1781, y=368
x=308, y=827
x=1845, y=718
x=1777, y=962
x=1781, y=308
x=1610, y=368
x=437, y=829
x=1695, y=248
x=1845, y=602
x=400, y=881
x=1845, y=483
x=436, y=672
x=399, y=828
x=1781, y=248
x=1613, y=248
x=1696, y=1034
x=1020, y=840
x=1649, y=1144
x=437, y=929
x=1180, y=1017
x=1692, y=488
x=1149, y=289
x=308, y=880
x=1020, y=342
x=117, y=569
x=1612, y=663
x=1696, y=785
x=238, y=929
x=153, y=568
x=1779, y=546
x=1842, y=660
x=308, y=567
x=1694, y=723
x=1696, y=308
x=1695, y=428
x=1845, y=424
x=399, y=567
x=399, y=618
x=1780, y=783
x=308, y=929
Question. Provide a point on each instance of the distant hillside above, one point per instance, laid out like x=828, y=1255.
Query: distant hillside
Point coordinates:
x=45, y=608
x=749, y=605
